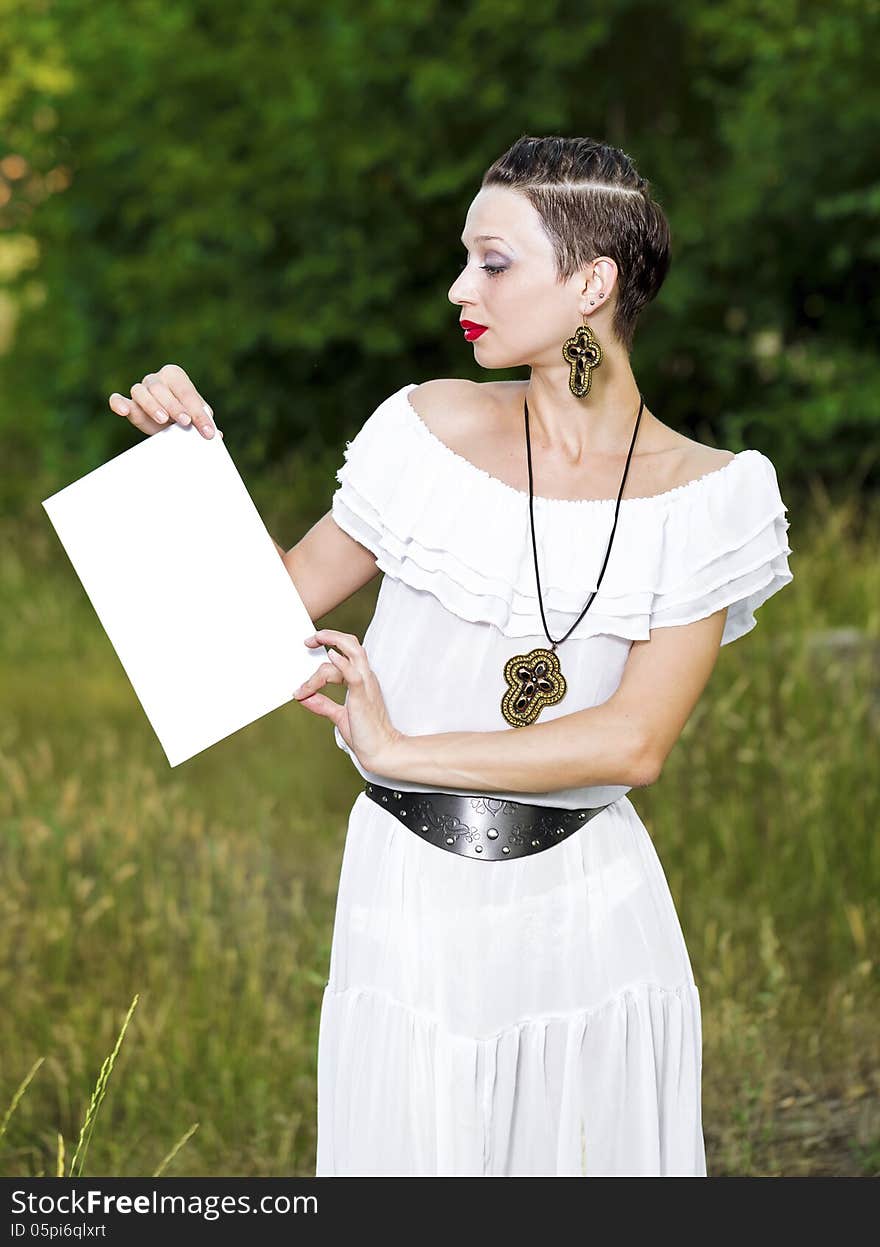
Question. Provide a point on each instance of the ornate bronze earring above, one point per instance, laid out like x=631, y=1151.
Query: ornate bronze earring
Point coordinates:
x=583, y=353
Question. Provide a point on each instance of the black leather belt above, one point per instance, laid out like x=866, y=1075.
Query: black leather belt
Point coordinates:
x=482, y=827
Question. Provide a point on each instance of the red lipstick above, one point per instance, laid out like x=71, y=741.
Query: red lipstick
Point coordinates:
x=472, y=330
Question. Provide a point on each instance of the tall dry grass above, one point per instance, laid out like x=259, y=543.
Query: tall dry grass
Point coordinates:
x=207, y=892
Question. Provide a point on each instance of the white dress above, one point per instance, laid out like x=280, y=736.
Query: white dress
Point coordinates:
x=537, y=1016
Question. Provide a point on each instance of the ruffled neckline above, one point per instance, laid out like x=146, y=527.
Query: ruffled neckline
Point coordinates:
x=466, y=465
x=444, y=526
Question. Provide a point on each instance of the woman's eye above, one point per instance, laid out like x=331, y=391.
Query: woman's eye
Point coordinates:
x=491, y=269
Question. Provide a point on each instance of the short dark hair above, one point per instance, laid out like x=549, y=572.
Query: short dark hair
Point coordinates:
x=592, y=201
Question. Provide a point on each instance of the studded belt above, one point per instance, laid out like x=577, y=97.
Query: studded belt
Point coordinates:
x=482, y=827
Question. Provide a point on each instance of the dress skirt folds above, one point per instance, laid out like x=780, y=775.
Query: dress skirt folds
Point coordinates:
x=532, y=1017
x=537, y=1016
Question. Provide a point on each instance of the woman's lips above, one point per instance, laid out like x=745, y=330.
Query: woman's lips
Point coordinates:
x=472, y=330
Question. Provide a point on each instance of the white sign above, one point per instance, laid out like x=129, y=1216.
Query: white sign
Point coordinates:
x=188, y=586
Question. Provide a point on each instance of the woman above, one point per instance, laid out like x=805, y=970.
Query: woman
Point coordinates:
x=509, y=991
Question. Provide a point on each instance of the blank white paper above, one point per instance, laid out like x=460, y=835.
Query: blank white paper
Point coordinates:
x=189, y=587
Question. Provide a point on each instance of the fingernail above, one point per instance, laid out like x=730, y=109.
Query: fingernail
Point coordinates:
x=184, y=419
x=208, y=431
x=161, y=415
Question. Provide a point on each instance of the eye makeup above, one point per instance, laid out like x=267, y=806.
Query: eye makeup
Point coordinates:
x=491, y=269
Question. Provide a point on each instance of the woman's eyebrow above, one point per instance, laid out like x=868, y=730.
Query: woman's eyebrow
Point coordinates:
x=484, y=238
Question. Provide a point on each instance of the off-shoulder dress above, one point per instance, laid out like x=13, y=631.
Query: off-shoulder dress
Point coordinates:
x=537, y=1016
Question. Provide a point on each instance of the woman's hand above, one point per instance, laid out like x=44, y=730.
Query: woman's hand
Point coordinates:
x=363, y=720
x=163, y=398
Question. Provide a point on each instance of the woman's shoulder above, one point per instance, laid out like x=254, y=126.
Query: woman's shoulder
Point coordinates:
x=448, y=406
x=468, y=415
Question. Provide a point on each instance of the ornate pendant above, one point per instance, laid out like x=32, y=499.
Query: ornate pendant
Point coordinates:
x=534, y=680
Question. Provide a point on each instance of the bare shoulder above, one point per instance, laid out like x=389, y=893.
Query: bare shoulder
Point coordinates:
x=471, y=417
x=446, y=405
x=686, y=460
x=704, y=459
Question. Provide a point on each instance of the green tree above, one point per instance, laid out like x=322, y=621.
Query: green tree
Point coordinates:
x=271, y=195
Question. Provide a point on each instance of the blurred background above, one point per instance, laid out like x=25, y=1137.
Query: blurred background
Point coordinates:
x=271, y=195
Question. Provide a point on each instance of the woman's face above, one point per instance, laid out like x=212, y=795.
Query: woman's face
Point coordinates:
x=509, y=284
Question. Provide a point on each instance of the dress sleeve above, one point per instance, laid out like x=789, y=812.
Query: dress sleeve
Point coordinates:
x=366, y=477
x=726, y=546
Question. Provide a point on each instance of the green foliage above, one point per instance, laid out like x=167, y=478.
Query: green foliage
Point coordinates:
x=271, y=195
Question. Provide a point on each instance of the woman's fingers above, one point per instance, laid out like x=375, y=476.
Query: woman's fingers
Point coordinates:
x=352, y=657
x=161, y=405
x=346, y=642
x=134, y=413
x=145, y=400
x=326, y=707
x=326, y=674
x=176, y=381
x=168, y=407
x=162, y=398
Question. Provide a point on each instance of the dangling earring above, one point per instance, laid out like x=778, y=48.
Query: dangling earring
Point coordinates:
x=583, y=353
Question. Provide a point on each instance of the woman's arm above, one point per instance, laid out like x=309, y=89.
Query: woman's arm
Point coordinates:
x=598, y=746
x=623, y=741
x=327, y=566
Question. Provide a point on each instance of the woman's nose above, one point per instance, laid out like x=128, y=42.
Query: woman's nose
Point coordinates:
x=456, y=290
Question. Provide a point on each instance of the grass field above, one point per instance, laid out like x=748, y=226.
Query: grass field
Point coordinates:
x=208, y=891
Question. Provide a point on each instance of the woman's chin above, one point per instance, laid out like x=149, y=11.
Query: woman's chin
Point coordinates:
x=494, y=362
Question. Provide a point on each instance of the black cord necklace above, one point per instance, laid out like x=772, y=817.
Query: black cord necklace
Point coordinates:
x=535, y=680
